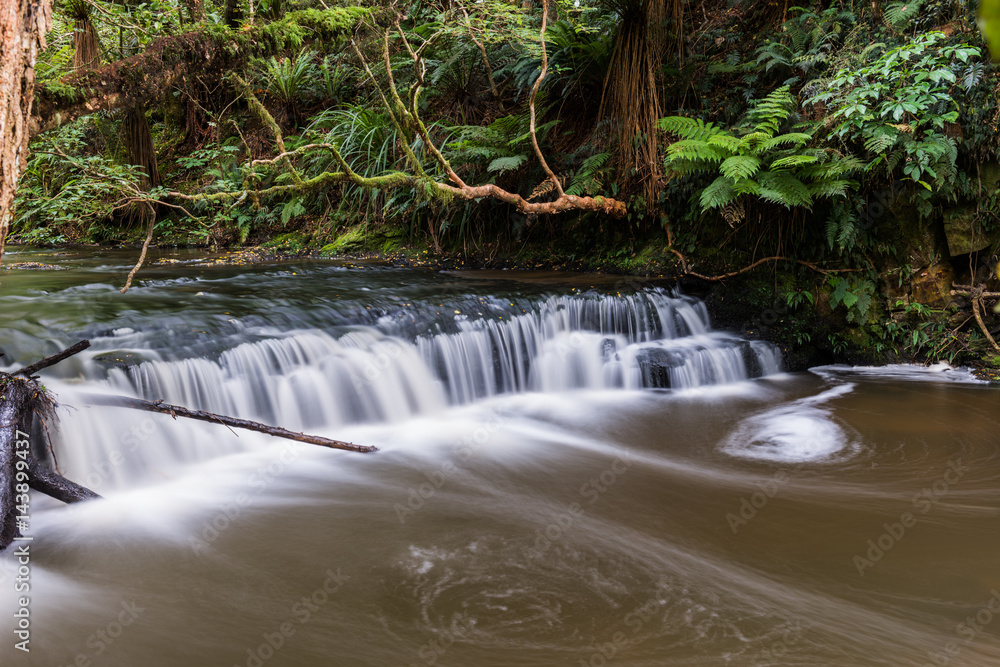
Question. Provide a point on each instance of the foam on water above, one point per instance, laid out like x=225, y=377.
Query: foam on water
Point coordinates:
x=799, y=432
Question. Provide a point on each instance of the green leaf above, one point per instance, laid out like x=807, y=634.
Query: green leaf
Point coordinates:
x=504, y=164
x=740, y=166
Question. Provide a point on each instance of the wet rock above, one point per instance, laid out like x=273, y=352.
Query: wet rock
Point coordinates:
x=931, y=286
x=120, y=359
x=963, y=231
x=655, y=364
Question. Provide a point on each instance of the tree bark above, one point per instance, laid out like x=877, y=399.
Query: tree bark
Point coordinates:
x=23, y=24
x=179, y=411
x=20, y=469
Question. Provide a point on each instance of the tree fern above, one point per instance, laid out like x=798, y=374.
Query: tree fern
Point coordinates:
x=587, y=178
x=740, y=166
x=511, y=163
x=899, y=14
x=780, y=169
x=689, y=128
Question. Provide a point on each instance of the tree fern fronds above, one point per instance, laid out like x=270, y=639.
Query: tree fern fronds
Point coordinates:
x=718, y=194
x=689, y=128
x=740, y=166
x=792, y=161
x=692, y=149
x=831, y=188
x=726, y=141
x=789, y=139
x=504, y=164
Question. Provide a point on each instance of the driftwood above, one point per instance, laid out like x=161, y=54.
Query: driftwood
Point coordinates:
x=20, y=469
x=30, y=370
x=179, y=411
x=22, y=399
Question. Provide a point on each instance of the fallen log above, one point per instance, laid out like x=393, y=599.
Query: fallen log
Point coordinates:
x=20, y=470
x=179, y=411
x=31, y=369
x=22, y=399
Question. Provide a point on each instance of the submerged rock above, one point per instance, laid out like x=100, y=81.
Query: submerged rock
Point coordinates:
x=120, y=359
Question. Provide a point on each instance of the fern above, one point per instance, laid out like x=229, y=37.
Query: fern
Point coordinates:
x=502, y=164
x=777, y=168
x=899, y=14
x=586, y=178
x=792, y=161
x=689, y=128
x=740, y=166
x=718, y=194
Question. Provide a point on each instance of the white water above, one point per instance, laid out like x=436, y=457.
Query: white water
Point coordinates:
x=320, y=382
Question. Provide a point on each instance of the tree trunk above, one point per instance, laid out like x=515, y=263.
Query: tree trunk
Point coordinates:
x=234, y=13
x=86, y=43
x=23, y=24
x=20, y=469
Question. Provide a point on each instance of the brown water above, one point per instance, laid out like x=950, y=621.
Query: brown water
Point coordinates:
x=824, y=519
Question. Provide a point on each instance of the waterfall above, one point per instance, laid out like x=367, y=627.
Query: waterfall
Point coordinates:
x=392, y=367
x=310, y=378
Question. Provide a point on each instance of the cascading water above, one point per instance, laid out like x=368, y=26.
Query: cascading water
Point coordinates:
x=531, y=503
x=311, y=378
x=373, y=371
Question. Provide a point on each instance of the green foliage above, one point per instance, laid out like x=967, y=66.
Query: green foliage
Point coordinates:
x=589, y=179
x=898, y=107
x=855, y=294
x=989, y=21
x=291, y=31
x=759, y=163
x=808, y=40
x=63, y=186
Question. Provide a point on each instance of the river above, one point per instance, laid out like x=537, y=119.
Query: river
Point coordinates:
x=572, y=470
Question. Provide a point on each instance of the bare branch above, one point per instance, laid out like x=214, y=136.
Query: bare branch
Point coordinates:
x=531, y=102
x=145, y=247
x=486, y=58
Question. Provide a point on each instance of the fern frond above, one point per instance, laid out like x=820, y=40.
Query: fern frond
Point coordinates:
x=881, y=141
x=831, y=188
x=899, y=14
x=789, y=139
x=693, y=149
x=780, y=187
x=502, y=164
x=689, y=128
x=740, y=166
x=772, y=111
x=718, y=194
x=726, y=141
x=792, y=161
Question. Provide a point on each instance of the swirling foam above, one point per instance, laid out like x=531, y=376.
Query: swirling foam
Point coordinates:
x=803, y=431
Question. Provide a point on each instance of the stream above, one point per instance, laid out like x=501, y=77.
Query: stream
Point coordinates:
x=573, y=470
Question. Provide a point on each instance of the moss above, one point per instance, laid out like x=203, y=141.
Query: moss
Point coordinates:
x=292, y=241
x=295, y=28
x=351, y=240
